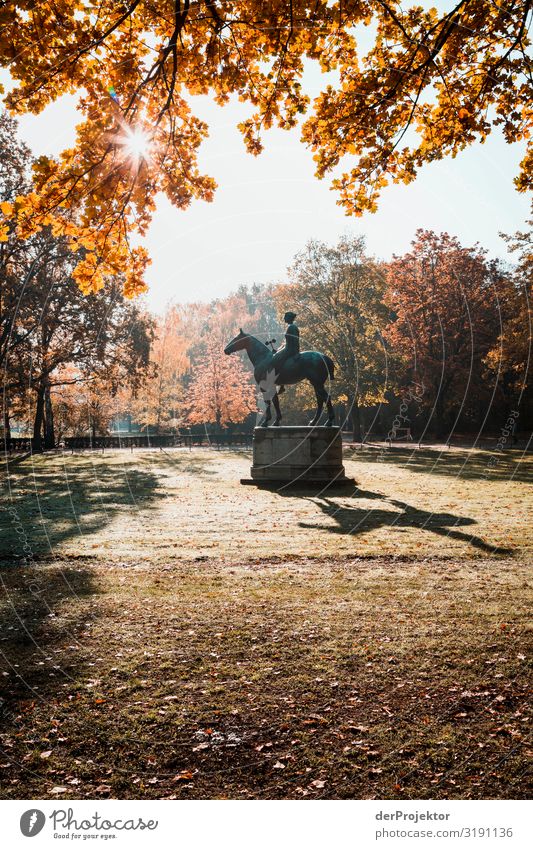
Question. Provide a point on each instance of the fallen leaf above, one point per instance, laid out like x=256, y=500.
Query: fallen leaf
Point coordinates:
x=46, y=754
x=186, y=775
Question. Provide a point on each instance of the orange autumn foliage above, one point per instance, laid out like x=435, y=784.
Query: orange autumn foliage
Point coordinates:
x=430, y=84
x=449, y=303
x=221, y=391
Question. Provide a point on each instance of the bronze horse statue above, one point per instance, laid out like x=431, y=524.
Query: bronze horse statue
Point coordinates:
x=308, y=365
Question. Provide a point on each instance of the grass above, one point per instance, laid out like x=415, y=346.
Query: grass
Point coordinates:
x=159, y=505
x=180, y=636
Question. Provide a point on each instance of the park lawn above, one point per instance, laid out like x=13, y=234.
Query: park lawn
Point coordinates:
x=157, y=505
x=180, y=636
x=346, y=678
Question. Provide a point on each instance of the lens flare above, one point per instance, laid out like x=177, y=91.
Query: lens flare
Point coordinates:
x=136, y=143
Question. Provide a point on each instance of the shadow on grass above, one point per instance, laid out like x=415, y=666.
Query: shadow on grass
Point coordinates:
x=356, y=520
x=466, y=465
x=44, y=616
x=50, y=500
x=182, y=462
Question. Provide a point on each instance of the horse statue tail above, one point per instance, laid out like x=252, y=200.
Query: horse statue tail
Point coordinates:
x=330, y=366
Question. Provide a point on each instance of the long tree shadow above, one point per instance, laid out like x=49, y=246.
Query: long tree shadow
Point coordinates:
x=466, y=465
x=44, y=608
x=50, y=500
x=42, y=612
x=45, y=614
x=357, y=520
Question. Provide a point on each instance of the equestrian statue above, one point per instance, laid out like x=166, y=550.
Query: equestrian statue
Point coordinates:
x=273, y=370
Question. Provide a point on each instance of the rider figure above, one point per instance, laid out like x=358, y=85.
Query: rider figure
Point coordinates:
x=292, y=343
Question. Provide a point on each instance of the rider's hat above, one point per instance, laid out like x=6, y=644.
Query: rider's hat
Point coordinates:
x=289, y=316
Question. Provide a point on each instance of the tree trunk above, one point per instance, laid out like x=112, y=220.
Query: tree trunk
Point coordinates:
x=7, y=423
x=356, y=421
x=440, y=428
x=49, y=433
x=37, y=441
x=380, y=427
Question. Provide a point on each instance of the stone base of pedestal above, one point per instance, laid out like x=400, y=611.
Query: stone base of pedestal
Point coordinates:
x=298, y=456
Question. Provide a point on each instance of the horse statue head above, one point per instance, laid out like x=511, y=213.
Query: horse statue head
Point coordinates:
x=238, y=343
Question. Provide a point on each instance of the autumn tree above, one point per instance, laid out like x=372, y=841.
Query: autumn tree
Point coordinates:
x=430, y=84
x=20, y=260
x=68, y=404
x=263, y=317
x=510, y=360
x=218, y=320
x=158, y=402
x=338, y=294
x=22, y=263
x=83, y=404
x=221, y=391
x=100, y=335
x=449, y=303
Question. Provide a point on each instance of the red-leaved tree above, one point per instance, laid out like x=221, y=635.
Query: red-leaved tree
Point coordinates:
x=448, y=302
x=221, y=391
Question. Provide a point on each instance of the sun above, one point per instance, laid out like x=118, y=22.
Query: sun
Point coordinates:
x=136, y=142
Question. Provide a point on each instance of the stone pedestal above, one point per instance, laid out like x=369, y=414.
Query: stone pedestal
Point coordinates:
x=298, y=456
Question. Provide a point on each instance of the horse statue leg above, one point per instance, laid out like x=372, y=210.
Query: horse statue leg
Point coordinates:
x=266, y=418
x=275, y=401
x=331, y=412
x=321, y=397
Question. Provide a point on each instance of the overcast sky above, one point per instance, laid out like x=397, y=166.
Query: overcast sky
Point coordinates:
x=267, y=207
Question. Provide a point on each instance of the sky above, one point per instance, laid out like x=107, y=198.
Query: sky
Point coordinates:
x=266, y=208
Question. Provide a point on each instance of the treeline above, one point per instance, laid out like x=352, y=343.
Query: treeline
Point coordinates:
x=437, y=340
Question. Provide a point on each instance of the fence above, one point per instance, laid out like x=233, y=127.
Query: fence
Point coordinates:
x=17, y=443
x=100, y=443
x=138, y=441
